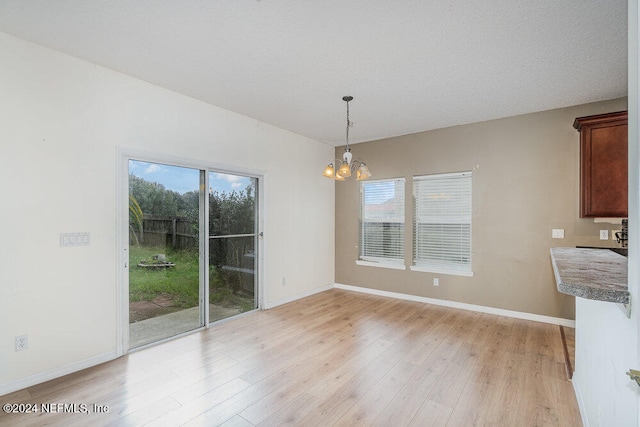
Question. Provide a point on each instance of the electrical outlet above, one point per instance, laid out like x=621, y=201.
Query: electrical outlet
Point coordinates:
x=436, y=281
x=22, y=342
x=557, y=233
x=604, y=234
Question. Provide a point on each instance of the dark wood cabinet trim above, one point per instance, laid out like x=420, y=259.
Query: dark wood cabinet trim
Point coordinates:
x=599, y=119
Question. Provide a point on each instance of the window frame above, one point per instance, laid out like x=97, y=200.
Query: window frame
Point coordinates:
x=452, y=268
x=399, y=218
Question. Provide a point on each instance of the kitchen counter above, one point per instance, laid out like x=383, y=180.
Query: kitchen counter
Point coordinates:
x=597, y=274
x=621, y=251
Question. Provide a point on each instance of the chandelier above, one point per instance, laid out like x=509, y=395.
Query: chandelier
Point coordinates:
x=339, y=169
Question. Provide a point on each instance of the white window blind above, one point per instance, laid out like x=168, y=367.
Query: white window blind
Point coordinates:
x=442, y=222
x=382, y=221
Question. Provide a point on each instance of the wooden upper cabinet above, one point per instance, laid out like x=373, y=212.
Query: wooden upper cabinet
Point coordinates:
x=603, y=165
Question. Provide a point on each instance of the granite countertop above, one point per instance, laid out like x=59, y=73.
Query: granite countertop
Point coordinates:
x=597, y=274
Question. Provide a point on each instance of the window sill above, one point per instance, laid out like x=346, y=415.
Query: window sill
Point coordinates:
x=441, y=271
x=381, y=265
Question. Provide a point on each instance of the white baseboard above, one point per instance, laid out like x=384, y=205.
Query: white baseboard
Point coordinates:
x=463, y=306
x=41, y=377
x=297, y=296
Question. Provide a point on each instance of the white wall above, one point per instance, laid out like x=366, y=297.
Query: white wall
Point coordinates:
x=607, y=343
x=61, y=121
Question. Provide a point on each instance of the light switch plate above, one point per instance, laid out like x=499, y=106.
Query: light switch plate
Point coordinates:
x=557, y=233
x=75, y=239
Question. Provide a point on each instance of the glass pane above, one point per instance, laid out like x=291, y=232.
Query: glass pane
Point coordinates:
x=231, y=204
x=382, y=220
x=232, y=245
x=232, y=276
x=164, y=282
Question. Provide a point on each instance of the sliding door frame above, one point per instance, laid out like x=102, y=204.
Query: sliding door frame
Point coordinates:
x=122, y=233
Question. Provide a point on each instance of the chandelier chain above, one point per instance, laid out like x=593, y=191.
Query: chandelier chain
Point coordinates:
x=348, y=125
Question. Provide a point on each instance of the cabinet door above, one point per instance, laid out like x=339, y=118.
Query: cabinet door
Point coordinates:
x=603, y=159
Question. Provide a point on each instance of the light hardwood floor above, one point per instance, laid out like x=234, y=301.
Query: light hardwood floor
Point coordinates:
x=335, y=358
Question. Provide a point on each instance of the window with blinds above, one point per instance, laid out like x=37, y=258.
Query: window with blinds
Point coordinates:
x=442, y=223
x=382, y=222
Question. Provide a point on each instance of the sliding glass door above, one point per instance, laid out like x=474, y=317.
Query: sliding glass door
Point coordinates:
x=192, y=238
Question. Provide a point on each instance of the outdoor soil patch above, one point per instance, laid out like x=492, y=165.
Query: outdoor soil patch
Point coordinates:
x=159, y=306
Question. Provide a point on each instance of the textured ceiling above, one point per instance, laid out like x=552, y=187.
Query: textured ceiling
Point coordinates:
x=410, y=65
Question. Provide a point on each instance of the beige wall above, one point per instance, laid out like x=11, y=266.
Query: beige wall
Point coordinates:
x=525, y=183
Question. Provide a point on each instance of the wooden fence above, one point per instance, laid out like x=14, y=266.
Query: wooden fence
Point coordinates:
x=173, y=232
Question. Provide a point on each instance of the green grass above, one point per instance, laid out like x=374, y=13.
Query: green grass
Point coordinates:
x=181, y=283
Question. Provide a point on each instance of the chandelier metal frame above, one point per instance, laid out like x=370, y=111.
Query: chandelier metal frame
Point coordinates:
x=340, y=169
